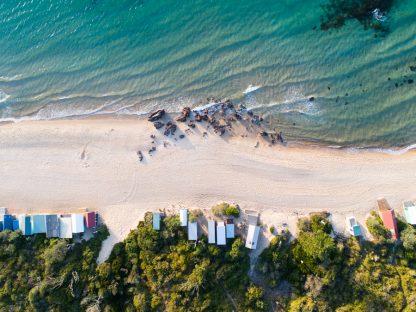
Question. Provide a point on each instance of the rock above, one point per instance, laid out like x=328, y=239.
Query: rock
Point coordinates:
x=191, y=125
x=410, y=81
x=152, y=136
x=250, y=113
x=156, y=115
x=158, y=124
x=184, y=115
x=311, y=99
x=198, y=117
x=140, y=155
x=412, y=68
x=170, y=128
x=264, y=134
x=181, y=136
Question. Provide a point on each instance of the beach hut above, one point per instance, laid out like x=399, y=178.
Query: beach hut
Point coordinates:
x=221, y=233
x=183, y=216
x=230, y=228
x=410, y=212
x=77, y=223
x=156, y=221
x=1, y=226
x=252, y=236
x=15, y=225
x=211, y=232
x=192, y=231
x=65, y=226
x=38, y=224
x=353, y=227
x=90, y=220
x=52, y=226
x=7, y=222
x=3, y=210
x=25, y=224
x=388, y=217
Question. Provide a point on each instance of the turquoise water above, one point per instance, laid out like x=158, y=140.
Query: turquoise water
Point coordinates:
x=74, y=58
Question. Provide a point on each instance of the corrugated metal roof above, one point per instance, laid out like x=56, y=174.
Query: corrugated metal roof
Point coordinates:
x=38, y=224
x=25, y=224
x=211, y=232
x=390, y=222
x=410, y=212
x=7, y=222
x=252, y=236
x=230, y=230
x=77, y=223
x=221, y=234
x=52, y=226
x=156, y=221
x=183, y=216
x=90, y=219
x=15, y=225
x=65, y=227
x=192, y=231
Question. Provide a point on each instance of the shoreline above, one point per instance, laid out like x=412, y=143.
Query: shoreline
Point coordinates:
x=390, y=150
x=63, y=165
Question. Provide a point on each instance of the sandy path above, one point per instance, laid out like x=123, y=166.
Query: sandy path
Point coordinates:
x=64, y=165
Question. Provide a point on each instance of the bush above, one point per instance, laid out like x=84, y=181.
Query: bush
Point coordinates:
x=377, y=229
x=226, y=209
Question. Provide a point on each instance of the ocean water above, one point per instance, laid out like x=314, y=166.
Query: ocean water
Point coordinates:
x=66, y=58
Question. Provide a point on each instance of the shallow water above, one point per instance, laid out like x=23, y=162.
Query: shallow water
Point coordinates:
x=68, y=58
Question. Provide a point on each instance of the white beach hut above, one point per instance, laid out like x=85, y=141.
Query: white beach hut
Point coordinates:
x=65, y=227
x=252, y=236
x=221, y=233
x=192, y=231
x=211, y=232
x=156, y=221
x=77, y=223
x=183, y=216
x=410, y=212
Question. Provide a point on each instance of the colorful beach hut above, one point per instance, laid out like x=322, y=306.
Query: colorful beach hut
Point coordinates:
x=90, y=220
x=38, y=224
x=211, y=232
x=353, y=227
x=230, y=228
x=25, y=224
x=15, y=225
x=388, y=217
x=156, y=221
x=52, y=226
x=192, y=231
x=221, y=234
x=7, y=222
x=410, y=212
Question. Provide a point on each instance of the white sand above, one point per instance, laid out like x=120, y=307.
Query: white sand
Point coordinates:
x=64, y=165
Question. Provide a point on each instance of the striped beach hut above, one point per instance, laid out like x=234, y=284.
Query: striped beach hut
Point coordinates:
x=25, y=224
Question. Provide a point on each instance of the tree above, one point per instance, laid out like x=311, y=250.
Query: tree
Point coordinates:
x=254, y=299
x=408, y=237
x=318, y=245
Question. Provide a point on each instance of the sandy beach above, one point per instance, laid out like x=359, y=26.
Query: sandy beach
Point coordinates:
x=65, y=165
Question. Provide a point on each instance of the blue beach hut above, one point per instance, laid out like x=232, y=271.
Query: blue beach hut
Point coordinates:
x=25, y=225
x=38, y=224
x=15, y=225
x=7, y=222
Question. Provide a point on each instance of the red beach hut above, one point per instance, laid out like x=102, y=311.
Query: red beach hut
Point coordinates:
x=90, y=220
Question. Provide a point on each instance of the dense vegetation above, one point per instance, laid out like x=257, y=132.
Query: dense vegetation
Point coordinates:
x=149, y=271
x=325, y=273
x=163, y=271
x=39, y=274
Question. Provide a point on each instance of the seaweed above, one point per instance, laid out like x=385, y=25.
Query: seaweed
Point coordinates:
x=371, y=14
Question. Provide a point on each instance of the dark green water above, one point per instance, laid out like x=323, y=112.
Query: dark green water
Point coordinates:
x=74, y=58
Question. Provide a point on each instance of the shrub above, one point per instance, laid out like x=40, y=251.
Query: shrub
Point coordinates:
x=377, y=229
x=222, y=209
x=272, y=229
